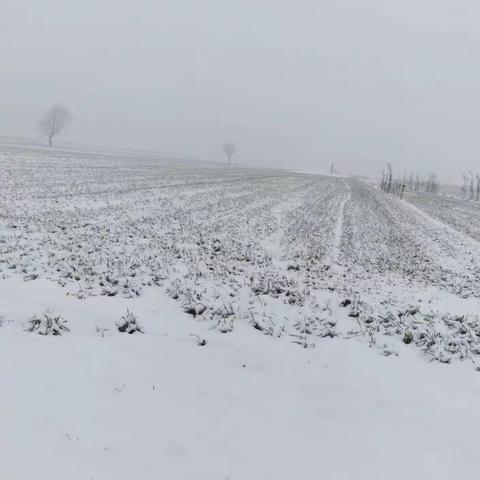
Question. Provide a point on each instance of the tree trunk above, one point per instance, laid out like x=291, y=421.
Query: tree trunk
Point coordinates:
x=50, y=137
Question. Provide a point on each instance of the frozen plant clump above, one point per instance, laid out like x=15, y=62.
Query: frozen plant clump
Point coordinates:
x=101, y=330
x=47, y=323
x=201, y=342
x=195, y=310
x=128, y=324
x=306, y=328
x=225, y=324
x=4, y=320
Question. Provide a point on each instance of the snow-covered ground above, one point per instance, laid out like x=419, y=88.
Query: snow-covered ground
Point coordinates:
x=258, y=263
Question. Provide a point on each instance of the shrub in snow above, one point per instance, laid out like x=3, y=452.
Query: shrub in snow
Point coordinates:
x=309, y=327
x=443, y=337
x=4, y=320
x=306, y=328
x=101, y=330
x=225, y=324
x=407, y=337
x=128, y=324
x=110, y=290
x=260, y=325
x=31, y=276
x=195, y=310
x=130, y=289
x=201, y=342
x=47, y=323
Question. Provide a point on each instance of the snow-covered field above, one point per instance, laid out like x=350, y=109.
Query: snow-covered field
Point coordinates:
x=459, y=214
x=288, y=325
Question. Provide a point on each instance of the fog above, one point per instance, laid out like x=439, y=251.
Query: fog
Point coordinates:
x=294, y=83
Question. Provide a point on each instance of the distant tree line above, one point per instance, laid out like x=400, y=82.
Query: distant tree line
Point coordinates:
x=417, y=183
x=412, y=183
x=471, y=186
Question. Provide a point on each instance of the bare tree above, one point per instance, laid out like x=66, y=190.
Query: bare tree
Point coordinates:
x=477, y=194
x=464, y=189
x=389, y=181
x=417, y=183
x=229, y=149
x=411, y=182
x=399, y=185
x=54, y=121
x=471, y=188
x=431, y=185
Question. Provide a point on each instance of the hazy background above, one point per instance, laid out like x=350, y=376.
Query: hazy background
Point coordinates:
x=294, y=83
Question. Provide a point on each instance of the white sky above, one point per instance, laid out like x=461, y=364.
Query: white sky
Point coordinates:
x=294, y=83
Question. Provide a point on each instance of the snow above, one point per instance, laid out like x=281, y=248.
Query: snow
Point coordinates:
x=338, y=233
x=243, y=406
x=267, y=256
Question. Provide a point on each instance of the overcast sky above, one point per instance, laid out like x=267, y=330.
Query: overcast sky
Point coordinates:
x=294, y=83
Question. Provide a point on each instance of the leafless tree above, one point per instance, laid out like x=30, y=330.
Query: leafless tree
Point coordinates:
x=411, y=182
x=399, y=185
x=417, y=185
x=54, y=121
x=229, y=149
x=389, y=181
x=464, y=189
x=383, y=182
x=471, y=188
x=431, y=185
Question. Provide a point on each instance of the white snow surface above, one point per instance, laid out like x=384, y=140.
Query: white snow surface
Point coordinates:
x=359, y=403
x=244, y=406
